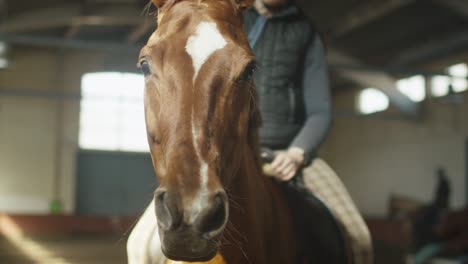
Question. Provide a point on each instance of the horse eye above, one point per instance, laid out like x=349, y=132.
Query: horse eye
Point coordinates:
x=249, y=71
x=145, y=68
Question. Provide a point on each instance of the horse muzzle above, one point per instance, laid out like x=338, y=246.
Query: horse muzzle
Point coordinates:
x=187, y=246
x=190, y=234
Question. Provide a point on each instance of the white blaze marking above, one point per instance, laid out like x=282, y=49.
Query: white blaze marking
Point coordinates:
x=203, y=164
x=195, y=139
x=200, y=46
x=204, y=173
x=201, y=199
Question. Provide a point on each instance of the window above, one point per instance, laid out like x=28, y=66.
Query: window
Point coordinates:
x=371, y=101
x=3, y=63
x=457, y=80
x=440, y=85
x=414, y=87
x=460, y=73
x=112, y=116
x=3, y=48
x=3, y=55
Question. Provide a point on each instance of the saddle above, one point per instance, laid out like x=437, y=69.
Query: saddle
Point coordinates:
x=320, y=238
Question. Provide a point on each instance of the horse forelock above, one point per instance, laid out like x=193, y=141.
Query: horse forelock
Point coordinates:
x=170, y=3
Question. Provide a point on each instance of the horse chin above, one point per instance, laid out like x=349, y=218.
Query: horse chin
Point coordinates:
x=181, y=246
x=200, y=258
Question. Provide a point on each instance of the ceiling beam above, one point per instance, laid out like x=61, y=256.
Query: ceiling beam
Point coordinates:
x=40, y=19
x=378, y=80
x=68, y=15
x=397, y=70
x=51, y=94
x=366, y=13
x=432, y=49
x=106, y=20
x=3, y=10
x=459, y=6
x=69, y=43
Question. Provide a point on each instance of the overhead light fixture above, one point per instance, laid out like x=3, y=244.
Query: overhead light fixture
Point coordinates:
x=3, y=48
x=3, y=55
x=3, y=63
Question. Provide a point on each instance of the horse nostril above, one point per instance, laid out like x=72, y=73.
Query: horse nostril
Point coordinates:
x=167, y=210
x=160, y=196
x=215, y=217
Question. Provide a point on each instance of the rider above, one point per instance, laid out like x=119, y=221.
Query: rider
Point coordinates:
x=294, y=100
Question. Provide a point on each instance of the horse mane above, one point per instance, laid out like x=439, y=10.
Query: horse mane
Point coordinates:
x=170, y=3
x=255, y=118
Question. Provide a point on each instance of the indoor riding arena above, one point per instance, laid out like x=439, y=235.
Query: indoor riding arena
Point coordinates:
x=380, y=86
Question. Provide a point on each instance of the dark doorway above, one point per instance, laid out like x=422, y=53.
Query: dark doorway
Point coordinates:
x=114, y=183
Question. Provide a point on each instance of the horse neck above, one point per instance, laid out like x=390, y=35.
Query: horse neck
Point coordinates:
x=259, y=214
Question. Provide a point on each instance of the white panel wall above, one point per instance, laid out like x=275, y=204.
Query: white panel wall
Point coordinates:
x=377, y=157
x=26, y=154
x=39, y=136
x=27, y=134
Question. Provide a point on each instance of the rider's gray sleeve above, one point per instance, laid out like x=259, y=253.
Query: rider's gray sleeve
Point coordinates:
x=316, y=100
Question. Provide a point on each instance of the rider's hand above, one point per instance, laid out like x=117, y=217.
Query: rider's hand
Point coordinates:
x=287, y=163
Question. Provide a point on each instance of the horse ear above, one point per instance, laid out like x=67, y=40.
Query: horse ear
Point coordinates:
x=158, y=3
x=161, y=3
x=243, y=5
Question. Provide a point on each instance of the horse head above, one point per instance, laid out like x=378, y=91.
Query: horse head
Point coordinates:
x=200, y=114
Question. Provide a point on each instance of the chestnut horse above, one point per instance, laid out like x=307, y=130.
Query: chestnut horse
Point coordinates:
x=213, y=204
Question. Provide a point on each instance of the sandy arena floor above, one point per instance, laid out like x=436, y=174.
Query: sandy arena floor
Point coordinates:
x=63, y=250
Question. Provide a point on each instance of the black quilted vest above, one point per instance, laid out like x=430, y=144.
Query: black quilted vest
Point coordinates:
x=280, y=52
